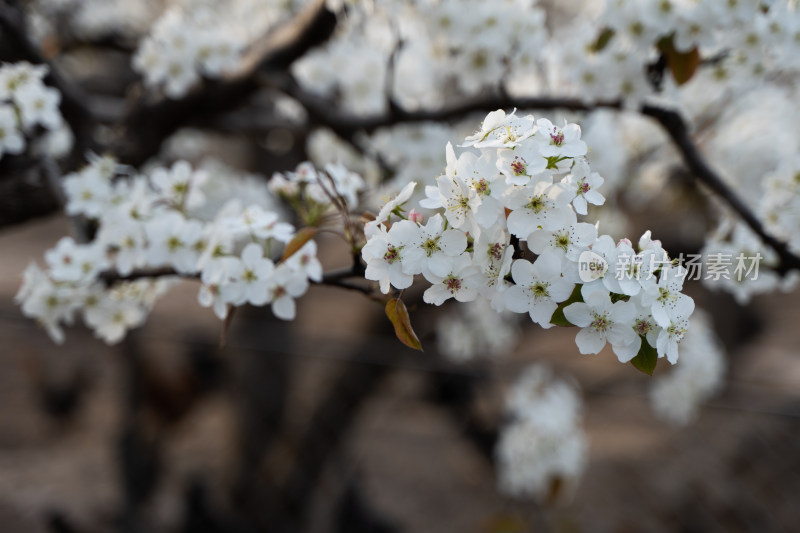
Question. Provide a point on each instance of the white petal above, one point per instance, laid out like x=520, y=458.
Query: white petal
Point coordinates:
x=542, y=310
x=516, y=300
x=578, y=314
x=589, y=341
x=547, y=266
x=626, y=352
x=284, y=308
x=522, y=272
x=251, y=254
x=453, y=242
x=436, y=294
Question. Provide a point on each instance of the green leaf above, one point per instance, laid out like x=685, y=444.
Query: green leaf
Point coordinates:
x=645, y=361
x=558, y=318
x=297, y=242
x=553, y=161
x=398, y=314
x=682, y=65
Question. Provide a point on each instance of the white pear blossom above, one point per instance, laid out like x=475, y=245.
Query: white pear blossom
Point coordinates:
x=560, y=142
x=305, y=260
x=583, y=184
x=431, y=250
x=542, y=206
x=11, y=139
x=384, y=253
x=568, y=241
x=283, y=286
x=666, y=296
x=538, y=289
x=674, y=329
x=70, y=261
x=602, y=321
x=521, y=164
x=461, y=283
x=250, y=277
x=501, y=130
x=698, y=375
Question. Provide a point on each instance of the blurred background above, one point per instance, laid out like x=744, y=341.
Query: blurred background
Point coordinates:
x=168, y=432
x=328, y=423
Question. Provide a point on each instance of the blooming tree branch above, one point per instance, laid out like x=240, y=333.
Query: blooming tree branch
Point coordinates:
x=149, y=121
x=348, y=126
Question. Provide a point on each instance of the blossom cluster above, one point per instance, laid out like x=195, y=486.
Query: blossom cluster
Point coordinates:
x=746, y=38
x=153, y=225
x=467, y=44
x=91, y=19
x=526, y=181
x=310, y=191
x=601, y=52
x=198, y=38
x=544, y=445
x=26, y=103
x=474, y=331
x=677, y=396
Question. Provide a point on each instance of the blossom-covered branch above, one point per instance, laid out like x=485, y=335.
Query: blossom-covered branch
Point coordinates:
x=348, y=126
x=149, y=122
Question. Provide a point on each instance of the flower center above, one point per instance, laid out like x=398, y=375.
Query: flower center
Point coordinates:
x=539, y=289
x=173, y=243
x=453, y=284
x=482, y=187
x=676, y=331
x=600, y=322
x=664, y=295
x=518, y=166
x=536, y=204
x=557, y=137
x=392, y=254
x=496, y=250
x=431, y=245
x=643, y=326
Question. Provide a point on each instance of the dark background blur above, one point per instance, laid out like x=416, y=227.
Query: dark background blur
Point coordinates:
x=330, y=424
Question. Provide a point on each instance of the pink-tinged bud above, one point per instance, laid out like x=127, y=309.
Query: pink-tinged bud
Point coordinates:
x=624, y=241
x=413, y=216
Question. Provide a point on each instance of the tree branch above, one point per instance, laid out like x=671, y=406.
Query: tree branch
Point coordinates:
x=676, y=128
x=322, y=111
x=347, y=126
x=74, y=104
x=150, y=122
x=335, y=278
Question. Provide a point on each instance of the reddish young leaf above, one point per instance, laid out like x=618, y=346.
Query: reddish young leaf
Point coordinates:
x=398, y=314
x=682, y=65
x=300, y=238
